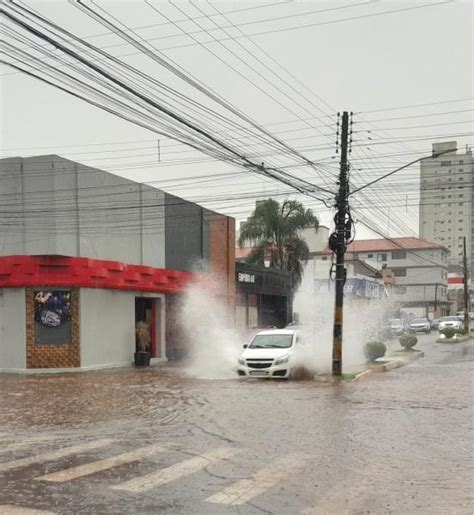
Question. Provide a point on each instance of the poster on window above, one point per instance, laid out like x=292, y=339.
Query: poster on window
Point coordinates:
x=53, y=317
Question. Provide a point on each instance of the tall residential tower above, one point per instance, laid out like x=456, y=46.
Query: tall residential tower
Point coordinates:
x=446, y=200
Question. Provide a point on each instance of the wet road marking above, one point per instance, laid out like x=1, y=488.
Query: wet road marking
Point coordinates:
x=245, y=490
x=10, y=509
x=49, y=456
x=28, y=443
x=177, y=471
x=107, y=463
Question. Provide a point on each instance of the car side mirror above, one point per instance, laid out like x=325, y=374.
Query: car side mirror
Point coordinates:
x=245, y=345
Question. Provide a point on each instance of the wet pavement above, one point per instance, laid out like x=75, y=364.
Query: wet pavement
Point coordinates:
x=157, y=441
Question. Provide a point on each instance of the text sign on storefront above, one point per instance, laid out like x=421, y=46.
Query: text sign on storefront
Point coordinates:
x=245, y=278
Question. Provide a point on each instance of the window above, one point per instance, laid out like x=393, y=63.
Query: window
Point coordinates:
x=460, y=220
x=324, y=258
x=461, y=162
x=445, y=163
x=399, y=254
x=370, y=255
x=400, y=272
x=381, y=257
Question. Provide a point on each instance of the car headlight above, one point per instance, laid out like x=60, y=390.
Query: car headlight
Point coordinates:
x=241, y=361
x=283, y=360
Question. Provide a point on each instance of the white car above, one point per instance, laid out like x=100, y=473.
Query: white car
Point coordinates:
x=269, y=354
x=448, y=322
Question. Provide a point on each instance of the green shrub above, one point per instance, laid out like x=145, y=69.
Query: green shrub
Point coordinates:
x=407, y=341
x=449, y=332
x=374, y=350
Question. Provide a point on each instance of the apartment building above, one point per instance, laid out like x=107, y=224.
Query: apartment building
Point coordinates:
x=446, y=200
x=420, y=270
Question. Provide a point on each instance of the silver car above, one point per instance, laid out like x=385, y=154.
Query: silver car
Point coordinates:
x=420, y=325
x=451, y=322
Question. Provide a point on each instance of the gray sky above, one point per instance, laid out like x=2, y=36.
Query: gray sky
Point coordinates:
x=418, y=56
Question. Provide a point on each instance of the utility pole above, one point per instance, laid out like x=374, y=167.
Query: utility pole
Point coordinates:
x=466, y=290
x=337, y=243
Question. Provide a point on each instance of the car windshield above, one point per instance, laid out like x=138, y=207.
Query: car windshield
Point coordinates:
x=449, y=319
x=419, y=321
x=395, y=321
x=274, y=341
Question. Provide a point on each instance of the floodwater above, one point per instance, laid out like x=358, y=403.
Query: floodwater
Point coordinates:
x=160, y=441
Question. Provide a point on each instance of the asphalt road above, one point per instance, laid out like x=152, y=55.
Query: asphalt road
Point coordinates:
x=156, y=441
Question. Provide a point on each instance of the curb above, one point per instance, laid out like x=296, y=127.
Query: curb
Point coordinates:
x=463, y=339
x=394, y=363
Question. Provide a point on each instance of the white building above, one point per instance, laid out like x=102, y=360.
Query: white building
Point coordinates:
x=420, y=269
x=446, y=200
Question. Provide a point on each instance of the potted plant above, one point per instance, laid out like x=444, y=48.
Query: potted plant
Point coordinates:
x=143, y=340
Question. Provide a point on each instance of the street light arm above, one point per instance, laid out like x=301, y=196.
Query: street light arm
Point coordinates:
x=434, y=156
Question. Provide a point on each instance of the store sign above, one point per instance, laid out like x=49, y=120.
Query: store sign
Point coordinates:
x=245, y=278
x=53, y=317
x=355, y=287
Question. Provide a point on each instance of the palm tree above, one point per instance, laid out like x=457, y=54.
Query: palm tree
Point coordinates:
x=273, y=230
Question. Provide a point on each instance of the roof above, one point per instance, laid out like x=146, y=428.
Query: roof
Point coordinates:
x=384, y=245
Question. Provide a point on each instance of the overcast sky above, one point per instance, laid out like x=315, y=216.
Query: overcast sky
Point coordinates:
x=361, y=63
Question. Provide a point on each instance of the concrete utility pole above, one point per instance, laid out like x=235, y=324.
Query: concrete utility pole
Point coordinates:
x=466, y=290
x=337, y=243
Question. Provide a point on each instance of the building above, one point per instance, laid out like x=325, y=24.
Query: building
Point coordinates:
x=264, y=297
x=85, y=254
x=365, y=280
x=446, y=201
x=420, y=270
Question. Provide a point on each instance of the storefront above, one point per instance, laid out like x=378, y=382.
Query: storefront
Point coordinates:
x=263, y=297
x=103, y=255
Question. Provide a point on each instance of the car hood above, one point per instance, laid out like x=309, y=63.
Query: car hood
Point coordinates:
x=265, y=353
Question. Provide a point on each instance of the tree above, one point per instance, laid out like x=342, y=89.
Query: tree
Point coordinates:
x=273, y=231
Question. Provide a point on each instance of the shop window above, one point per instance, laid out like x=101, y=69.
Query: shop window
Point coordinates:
x=399, y=254
x=400, y=272
x=53, y=317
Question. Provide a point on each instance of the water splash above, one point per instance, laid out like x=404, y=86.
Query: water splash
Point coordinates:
x=363, y=321
x=214, y=344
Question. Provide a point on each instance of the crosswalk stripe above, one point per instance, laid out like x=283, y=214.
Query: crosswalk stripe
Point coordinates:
x=9, y=447
x=10, y=509
x=48, y=456
x=185, y=468
x=242, y=491
x=97, y=466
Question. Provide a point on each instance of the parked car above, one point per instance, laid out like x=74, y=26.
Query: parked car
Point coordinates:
x=269, y=354
x=420, y=325
x=434, y=323
x=396, y=326
x=451, y=321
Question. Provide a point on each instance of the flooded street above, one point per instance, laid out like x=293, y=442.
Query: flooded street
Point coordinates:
x=157, y=441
